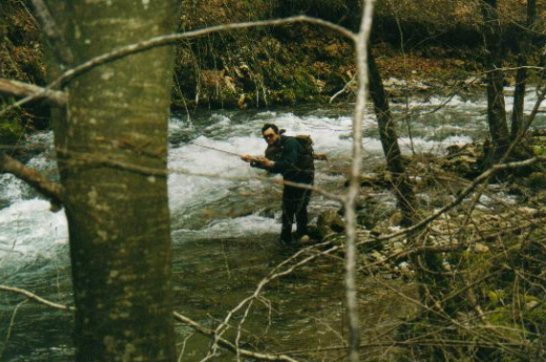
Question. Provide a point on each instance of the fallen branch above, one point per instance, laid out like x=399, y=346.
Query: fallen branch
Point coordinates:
x=274, y=274
x=21, y=89
x=230, y=346
x=177, y=316
x=52, y=190
x=36, y=298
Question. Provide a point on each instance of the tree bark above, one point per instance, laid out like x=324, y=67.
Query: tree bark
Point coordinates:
x=118, y=219
x=496, y=113
x=389, y=141
x=521, y=74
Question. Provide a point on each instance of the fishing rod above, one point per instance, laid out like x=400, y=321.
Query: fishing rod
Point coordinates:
x=316, y=156
x=218, y=150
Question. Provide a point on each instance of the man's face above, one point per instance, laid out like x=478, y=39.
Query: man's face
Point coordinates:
x=270, y=136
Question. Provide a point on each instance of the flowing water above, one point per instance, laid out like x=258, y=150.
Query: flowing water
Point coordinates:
x=225, y=223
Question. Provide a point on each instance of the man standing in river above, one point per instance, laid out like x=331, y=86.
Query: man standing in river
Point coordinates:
x=287, y=156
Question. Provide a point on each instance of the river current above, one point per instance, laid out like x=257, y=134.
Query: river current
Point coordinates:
x=225, y=220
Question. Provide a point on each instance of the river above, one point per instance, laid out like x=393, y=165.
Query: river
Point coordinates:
x=224, y=230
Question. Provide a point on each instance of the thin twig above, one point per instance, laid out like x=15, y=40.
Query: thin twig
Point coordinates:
x=82, y=159
x=274, y=274
x=228, y=345
x=344, y=89
x=36, y=298
x=10, y=327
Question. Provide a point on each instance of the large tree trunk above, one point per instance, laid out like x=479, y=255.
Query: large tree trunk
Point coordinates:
x=389, y=141
x=521, y=75
x=496, y=113
x=118, y=215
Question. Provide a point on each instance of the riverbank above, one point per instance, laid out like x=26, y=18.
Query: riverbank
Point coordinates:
x=419, y=50
x=478, y=265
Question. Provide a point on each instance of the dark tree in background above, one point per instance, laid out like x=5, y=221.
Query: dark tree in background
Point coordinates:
x=496, y=113
x=389, y=141
x=523, y=47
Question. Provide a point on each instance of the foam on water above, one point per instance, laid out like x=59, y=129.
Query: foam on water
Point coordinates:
x=31, y=230
x=205, y=177
x=203, y=174
x=424, y=145
x=528, y=103
x=12, y=189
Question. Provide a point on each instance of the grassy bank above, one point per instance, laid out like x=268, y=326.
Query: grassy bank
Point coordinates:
x=21, y=58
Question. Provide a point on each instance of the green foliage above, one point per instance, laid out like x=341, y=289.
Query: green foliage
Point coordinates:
x=304, y=83
x=501, y=280
x=539, y=150
x=10, y=132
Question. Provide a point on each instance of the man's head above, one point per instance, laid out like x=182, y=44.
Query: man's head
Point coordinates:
x=270, y=132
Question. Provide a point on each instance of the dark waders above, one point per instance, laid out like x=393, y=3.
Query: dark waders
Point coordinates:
x=294, y=203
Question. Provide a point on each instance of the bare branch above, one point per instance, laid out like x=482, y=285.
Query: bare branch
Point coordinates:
x=48, y=25
x=172, y=39
x=230, y=346
x=318, y=190
x=444, y=315
x=177, y=316
x=345, y=88
x=49, y=189
x=536, y=107
x=274, y=274
x=10, y=327
x=36, y=298
x=354, y=181
x=21, y=89
x=506, y=69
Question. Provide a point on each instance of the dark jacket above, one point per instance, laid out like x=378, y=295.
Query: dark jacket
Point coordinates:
x=291, y=161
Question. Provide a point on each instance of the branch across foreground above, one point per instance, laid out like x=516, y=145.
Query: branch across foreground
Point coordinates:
x=177, y=316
